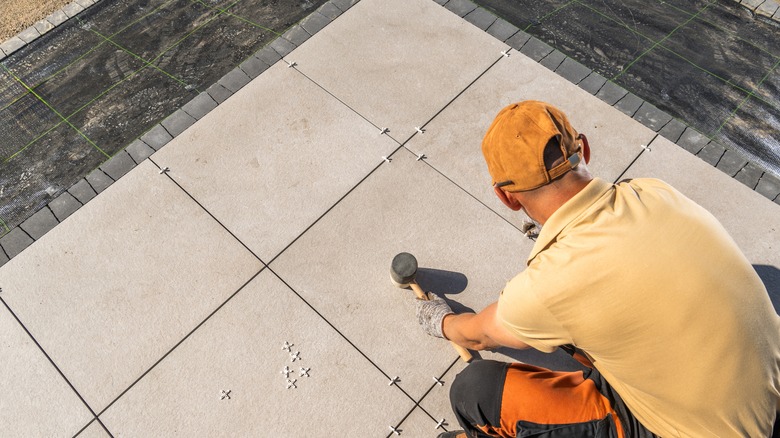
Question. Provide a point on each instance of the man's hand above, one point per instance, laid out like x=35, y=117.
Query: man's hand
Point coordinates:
x=431, y=313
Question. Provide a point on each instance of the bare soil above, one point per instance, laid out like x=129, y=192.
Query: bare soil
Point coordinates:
x=18, y=15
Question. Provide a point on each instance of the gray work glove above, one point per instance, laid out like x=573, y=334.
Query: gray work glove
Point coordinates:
x=431, y=313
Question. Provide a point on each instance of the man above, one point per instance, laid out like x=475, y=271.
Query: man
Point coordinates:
x=639, y=283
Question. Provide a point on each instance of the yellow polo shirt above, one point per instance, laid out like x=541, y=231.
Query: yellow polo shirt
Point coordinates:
x=655, y=291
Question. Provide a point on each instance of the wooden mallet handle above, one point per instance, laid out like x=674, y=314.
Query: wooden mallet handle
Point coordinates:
x=464, y=354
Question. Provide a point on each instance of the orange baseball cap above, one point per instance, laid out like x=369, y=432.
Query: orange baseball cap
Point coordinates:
x=514, y=144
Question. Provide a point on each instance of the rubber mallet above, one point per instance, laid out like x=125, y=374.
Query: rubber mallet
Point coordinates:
x=403, y=271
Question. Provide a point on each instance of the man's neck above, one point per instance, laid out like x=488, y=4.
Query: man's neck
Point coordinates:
x=540, y=204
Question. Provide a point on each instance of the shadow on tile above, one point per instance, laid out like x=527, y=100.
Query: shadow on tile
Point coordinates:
x=556, y=361
x=770, y=275
x=441, y=282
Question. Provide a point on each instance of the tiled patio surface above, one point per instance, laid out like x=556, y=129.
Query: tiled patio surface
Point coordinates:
x=161, y=307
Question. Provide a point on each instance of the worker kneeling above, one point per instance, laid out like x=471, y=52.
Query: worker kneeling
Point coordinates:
x=642, y=285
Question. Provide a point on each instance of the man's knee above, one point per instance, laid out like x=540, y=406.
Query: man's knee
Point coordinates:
x=477, y=391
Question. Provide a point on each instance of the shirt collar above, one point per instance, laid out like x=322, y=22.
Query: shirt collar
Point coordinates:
x=569, y=211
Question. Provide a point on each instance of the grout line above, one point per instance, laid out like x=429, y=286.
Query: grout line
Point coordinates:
x=47, y=356
x=90, y=184
x=371, y=172
x=635, y=159
x=89, y=423
x=166, y=131
x=446, y=105
x=181, y=341
x=435, y=385
x=418, y=402
x=209, y=212
x=468, y=193
x=341, y=101
x=100, y=422
x=341, y=334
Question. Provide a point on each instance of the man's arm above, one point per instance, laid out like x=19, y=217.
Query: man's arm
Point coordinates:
x=480, y=331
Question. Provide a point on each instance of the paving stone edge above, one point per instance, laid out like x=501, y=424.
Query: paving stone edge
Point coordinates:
x=159, y=135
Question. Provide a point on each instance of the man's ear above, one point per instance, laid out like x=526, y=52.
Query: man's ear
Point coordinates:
x=585, y=148
x=507, y=199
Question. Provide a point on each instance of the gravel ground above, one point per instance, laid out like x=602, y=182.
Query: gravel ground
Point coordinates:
x=18, y=15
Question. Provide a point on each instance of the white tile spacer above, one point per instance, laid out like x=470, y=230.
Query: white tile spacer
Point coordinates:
x=419, y=130
x=287, y=346
x=421, y=157
x=505, y=53
x=304, y=372
x=438, y=381
x=295, y=356
x=394, y=381
x=225, y=394
x=384, y=130
x=387, y=160
x=291, y=64
x=165, y=170
x=286, y=371
x=441, y=424
x=645, y=147
x=395, y=431
x=291, y=384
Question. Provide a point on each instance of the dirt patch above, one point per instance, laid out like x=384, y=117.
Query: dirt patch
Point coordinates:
x=18, y=15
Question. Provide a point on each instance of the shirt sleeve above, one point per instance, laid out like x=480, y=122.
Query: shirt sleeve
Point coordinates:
x=522, y=312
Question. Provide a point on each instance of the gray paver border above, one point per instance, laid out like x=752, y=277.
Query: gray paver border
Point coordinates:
x=729, y=161
x=14, y=240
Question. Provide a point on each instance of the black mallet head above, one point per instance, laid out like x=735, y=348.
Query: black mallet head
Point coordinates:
x=403, y=270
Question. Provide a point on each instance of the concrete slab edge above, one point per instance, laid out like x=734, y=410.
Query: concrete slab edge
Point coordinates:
x=16, y=239
x=44, y=26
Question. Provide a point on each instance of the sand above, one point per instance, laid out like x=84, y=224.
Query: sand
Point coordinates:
x=18, y=15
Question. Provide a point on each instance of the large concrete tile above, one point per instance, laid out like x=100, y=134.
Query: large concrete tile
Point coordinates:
x=109, y=291
x=36, y=400
x=752, y=220
x=452, y=140
x=342, y=264
x=397, y=62
x=274, y=157
x=240, y=350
